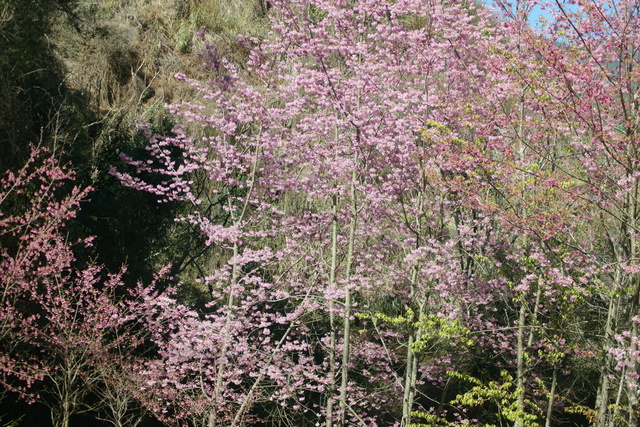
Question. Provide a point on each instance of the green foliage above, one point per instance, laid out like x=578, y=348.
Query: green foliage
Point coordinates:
x=430, y=420
x=436, y=331
x=315, y=14
x=497, y=400
x=438, y=127
x=182, y=37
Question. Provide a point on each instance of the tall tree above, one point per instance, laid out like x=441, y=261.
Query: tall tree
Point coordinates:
x=315, y=169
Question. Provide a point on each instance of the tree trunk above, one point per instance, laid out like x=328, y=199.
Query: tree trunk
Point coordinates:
x=411, y=373
x=213, y=416
x=522, y=318
x=410, y=376
x=347, y=304
x=520, y=364
x=332, y=315
x=62, y=415
x=552, y=393
x=235, y=274
x=602, y=397
x=632, y=386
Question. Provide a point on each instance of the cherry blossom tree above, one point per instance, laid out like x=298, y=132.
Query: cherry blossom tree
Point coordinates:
x=330, y=193
x=578, y=75
x=56, y=322
x=33, y=253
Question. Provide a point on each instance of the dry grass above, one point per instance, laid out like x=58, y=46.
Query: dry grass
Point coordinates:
x=126, y=54
x=128, y=51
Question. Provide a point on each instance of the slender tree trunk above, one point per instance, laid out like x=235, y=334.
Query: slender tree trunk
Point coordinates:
x=235, y=274
x=332, y=315
x=413, y=379
x=602, y=396
x=552, y=394
x=534, y=317
x=213, y=415
x=616, y=407
x=67, y=391
x=346, y=333
x=632, y=390
x=409, y=383
x=64, y=421
x=407, y=399
x=632, y=364
x=522, y=317
x=344, y=367
x=520, y=364
x=61, y=417
x=411, y=373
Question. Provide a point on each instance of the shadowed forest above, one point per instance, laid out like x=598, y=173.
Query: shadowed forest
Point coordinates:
x=319, y=213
